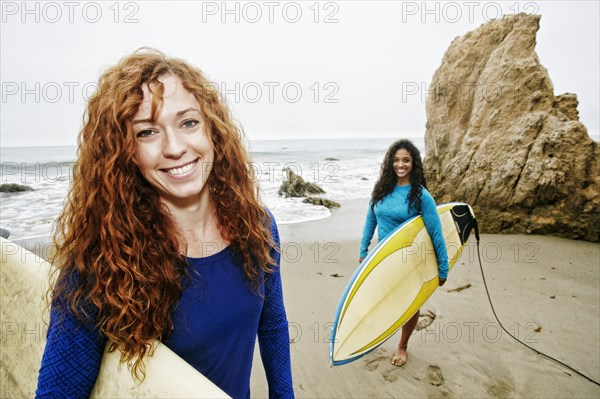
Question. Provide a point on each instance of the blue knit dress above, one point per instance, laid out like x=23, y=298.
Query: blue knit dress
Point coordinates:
x=216, y=323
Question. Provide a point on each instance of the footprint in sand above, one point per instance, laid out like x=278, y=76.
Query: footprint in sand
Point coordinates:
x=433, y=375
x=392, y=374
x=372, y=360
x=500, y=390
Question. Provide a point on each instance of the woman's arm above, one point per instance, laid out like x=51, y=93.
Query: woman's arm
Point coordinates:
x=72, y=357
x=368, y=231
x=434, y=228
x=273, y=333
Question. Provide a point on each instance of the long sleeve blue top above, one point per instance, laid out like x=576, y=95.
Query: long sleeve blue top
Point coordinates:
x=393, y=210
x=216, y=323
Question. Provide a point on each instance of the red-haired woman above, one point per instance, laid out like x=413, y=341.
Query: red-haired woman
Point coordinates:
x=163, y=237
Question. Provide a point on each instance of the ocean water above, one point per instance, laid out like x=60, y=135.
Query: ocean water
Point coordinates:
x=345, y=169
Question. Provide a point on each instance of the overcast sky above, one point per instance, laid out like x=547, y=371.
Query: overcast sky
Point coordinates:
x=302, y=69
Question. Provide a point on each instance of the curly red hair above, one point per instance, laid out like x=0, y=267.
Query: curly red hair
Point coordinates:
x=117, y=248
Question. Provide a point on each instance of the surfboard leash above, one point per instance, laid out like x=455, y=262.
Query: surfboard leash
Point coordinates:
x=502, y=326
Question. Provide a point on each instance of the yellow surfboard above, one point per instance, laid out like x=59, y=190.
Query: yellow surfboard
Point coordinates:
x=393, y=282
x=23, y=285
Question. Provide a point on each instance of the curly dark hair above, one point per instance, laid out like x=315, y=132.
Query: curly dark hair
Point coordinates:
x=388, y=178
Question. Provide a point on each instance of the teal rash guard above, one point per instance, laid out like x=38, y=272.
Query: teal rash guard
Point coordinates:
x=393, y=210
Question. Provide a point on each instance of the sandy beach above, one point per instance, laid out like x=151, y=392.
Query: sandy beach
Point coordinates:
x=545, y=291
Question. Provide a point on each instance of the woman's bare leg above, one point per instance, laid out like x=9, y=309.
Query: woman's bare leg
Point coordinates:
x=401, y=354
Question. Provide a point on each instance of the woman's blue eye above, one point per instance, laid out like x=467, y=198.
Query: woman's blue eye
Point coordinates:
x=190, y=123
x=145, y=133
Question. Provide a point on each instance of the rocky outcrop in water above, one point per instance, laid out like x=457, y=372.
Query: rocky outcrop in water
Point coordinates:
x=14, y=188
x=295, y=186
x=321, y=201
x=499, y=139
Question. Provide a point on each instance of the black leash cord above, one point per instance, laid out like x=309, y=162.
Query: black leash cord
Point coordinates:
x=501, y=325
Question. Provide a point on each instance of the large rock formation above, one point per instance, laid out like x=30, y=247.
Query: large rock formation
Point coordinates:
x=499, y=139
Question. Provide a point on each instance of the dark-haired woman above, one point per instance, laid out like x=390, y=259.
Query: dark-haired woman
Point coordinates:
x=399, y=194
x=164, y=238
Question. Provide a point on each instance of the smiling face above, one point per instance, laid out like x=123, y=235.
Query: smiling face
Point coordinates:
x=174, y=152
x=403, y=163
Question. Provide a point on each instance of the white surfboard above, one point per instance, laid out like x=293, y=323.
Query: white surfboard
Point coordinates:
x=393, y=282
x=23, y=321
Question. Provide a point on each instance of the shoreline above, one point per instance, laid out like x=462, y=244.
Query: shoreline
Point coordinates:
x=296, y=230
x=352, y=212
